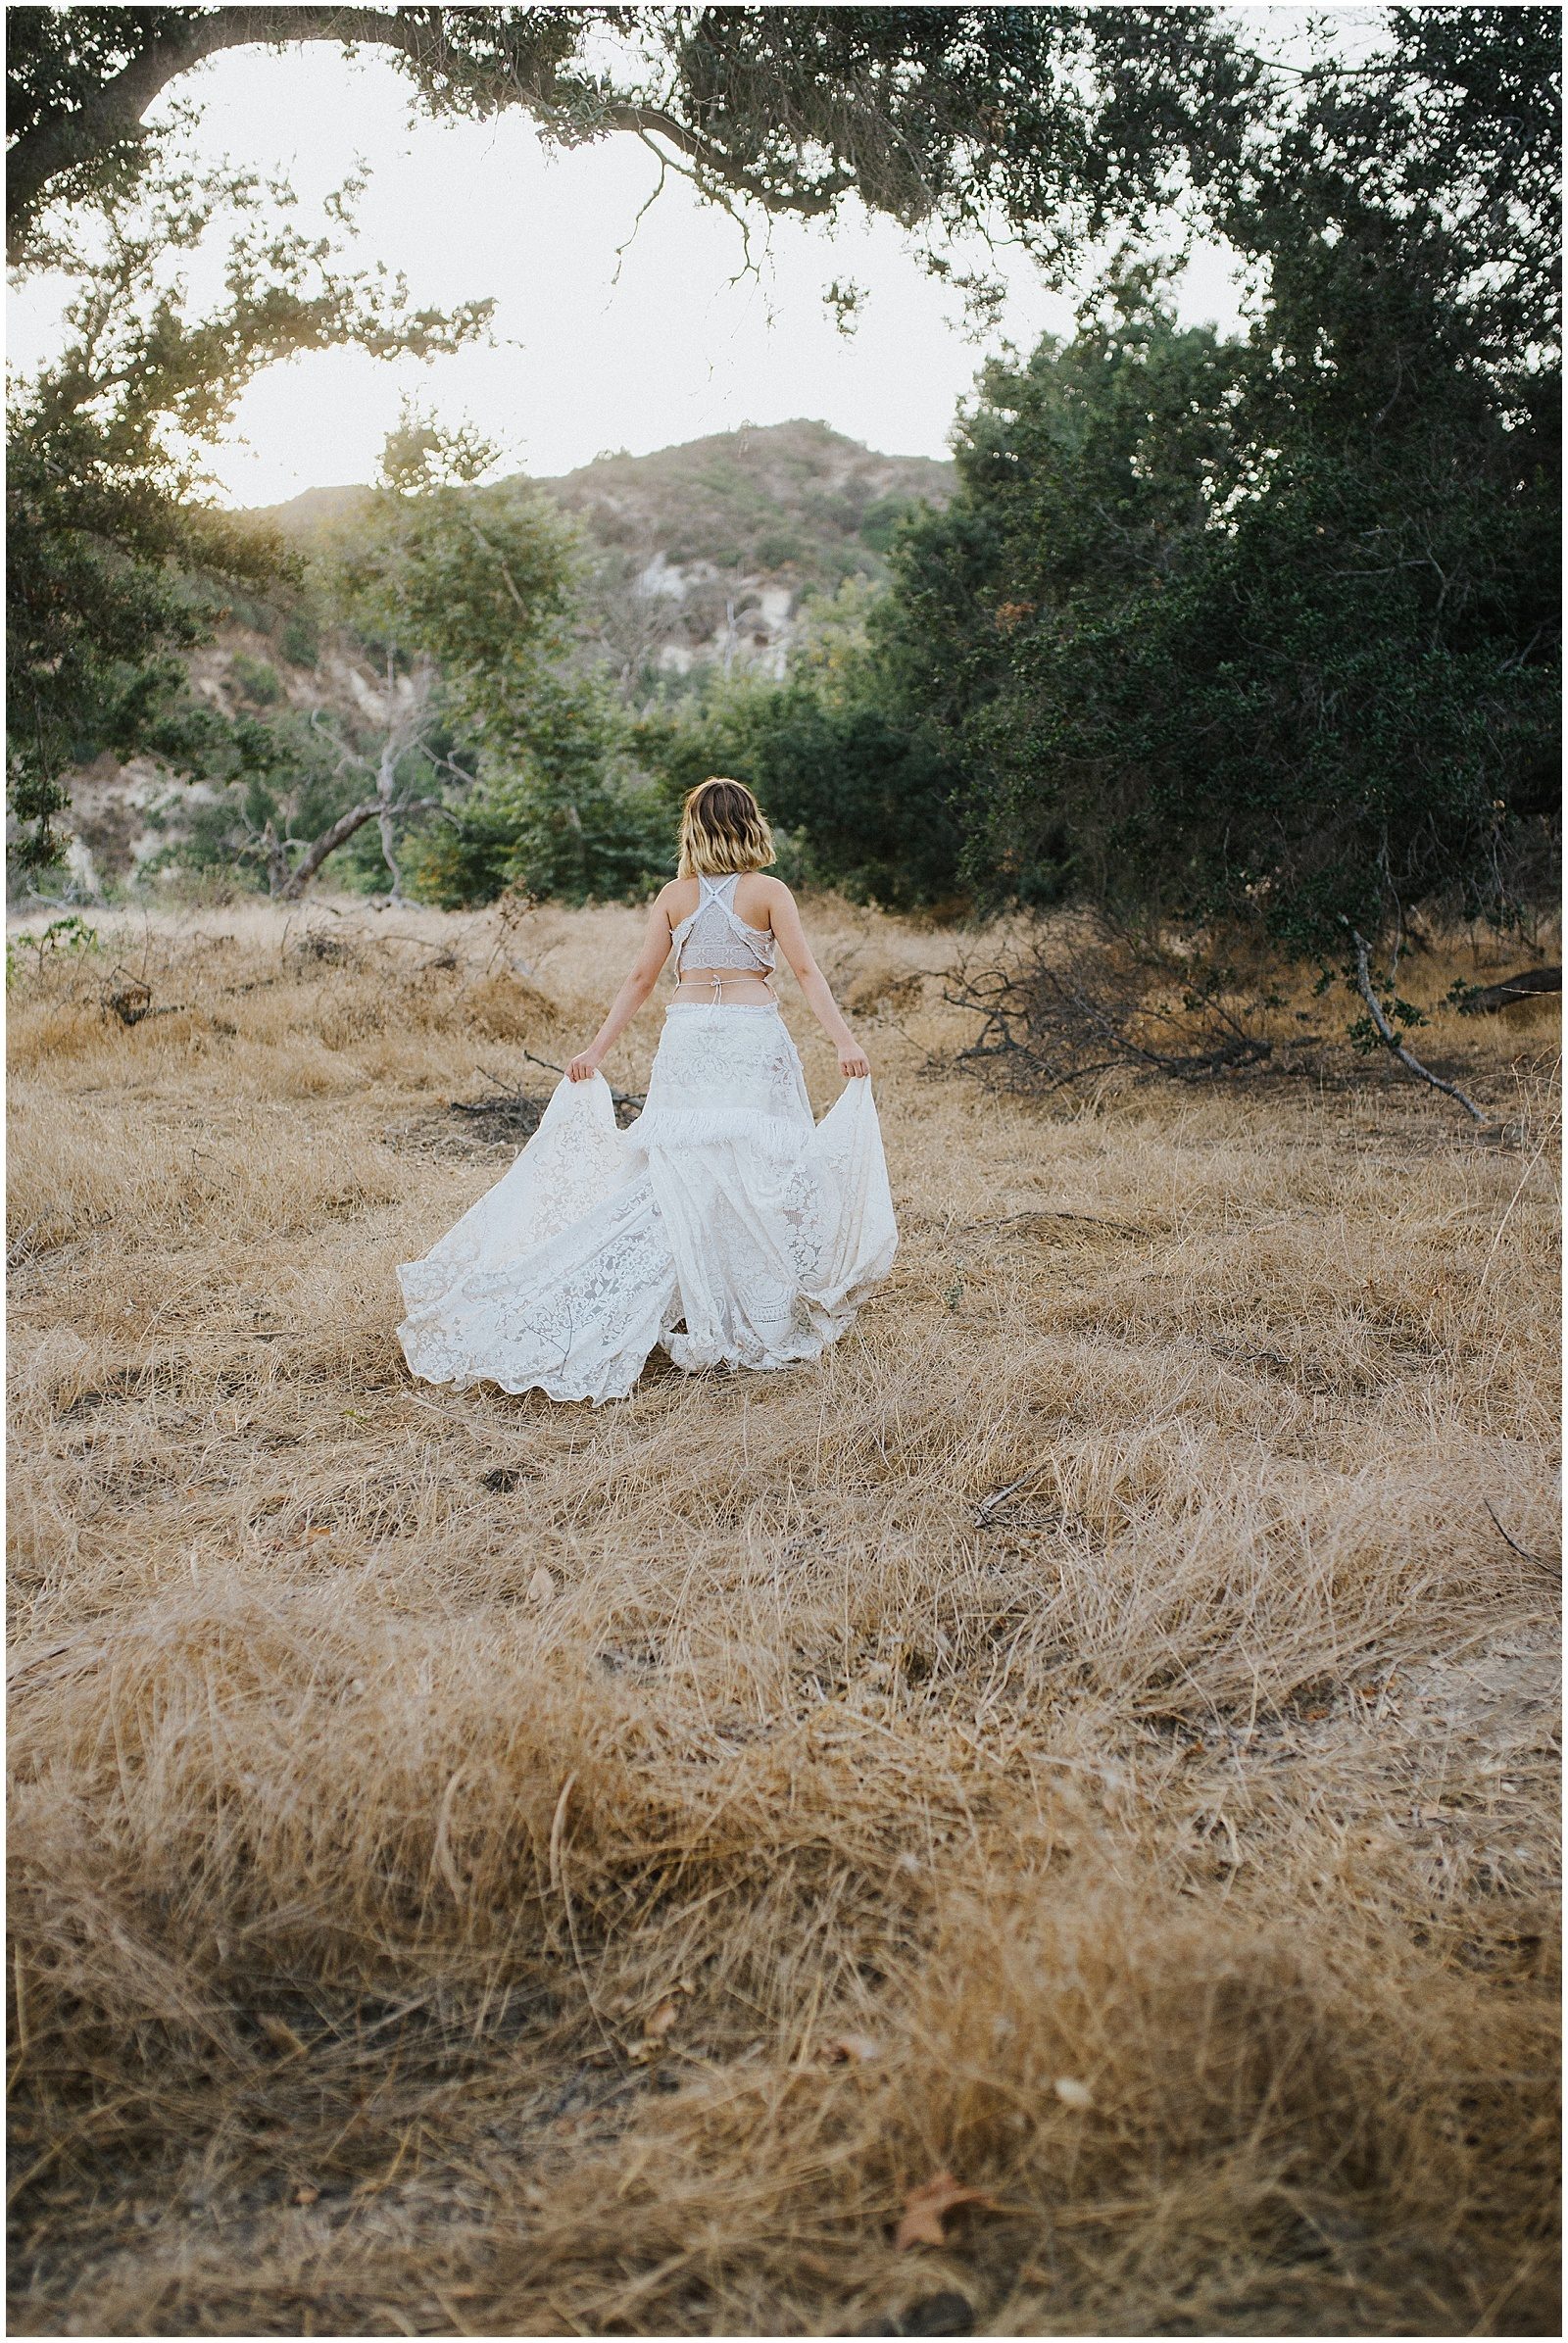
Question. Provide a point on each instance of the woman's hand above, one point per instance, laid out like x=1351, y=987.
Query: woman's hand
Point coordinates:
x=583, y=1066
x=852, y=1062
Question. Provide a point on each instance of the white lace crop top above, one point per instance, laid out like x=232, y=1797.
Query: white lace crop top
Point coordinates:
x=714, y=936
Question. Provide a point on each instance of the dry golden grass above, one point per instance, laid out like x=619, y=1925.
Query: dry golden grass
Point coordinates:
x=404, y=1943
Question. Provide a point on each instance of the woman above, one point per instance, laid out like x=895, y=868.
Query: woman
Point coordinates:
x=725, y=1224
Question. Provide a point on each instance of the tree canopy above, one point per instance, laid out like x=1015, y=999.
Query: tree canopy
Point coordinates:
x=1056, y=119
x=118, y=561
x=1059, y=118
x=1263, y=626
x=1196, y=644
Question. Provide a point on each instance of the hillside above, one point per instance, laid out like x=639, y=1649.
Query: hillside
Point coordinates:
x=719, y=540
x=700, y=556
x=704, y=552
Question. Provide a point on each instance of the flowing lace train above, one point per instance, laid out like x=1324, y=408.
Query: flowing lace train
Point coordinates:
x=724, y=1224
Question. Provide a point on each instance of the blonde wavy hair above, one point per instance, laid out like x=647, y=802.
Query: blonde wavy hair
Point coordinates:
x=722, y=829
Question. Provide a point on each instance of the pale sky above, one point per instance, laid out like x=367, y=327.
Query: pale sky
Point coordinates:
x=584, y=360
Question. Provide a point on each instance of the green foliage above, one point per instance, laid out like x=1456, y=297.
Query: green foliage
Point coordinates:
x=478, y=578
x=609, y=839
x=257, y=679
x=868, y=795
x=882, y=520
x=1057, y=120
x=278, y=785
x=109, y=579
x=300, y=640
x=71, y=935
x=778, y=549
x=117, y=563
x=469, y=860
x=481, y=580
x=1261, y=630
x=861, y=790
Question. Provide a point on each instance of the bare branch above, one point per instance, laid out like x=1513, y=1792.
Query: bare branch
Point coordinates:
x=1053, y=1016
x=988, y=1506
x=1527, y=985
x=341, y=831
x=623, y=1097
x=1391, y=1039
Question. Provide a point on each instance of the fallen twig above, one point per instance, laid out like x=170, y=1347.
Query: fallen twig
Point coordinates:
x=20, y=1249
x=623, y=1097
x=1540, y=1560
x=448, y=1415
x=1391, y=1039
x=988, y=1505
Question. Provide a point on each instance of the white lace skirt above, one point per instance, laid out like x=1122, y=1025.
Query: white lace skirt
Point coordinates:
x=725, y=1224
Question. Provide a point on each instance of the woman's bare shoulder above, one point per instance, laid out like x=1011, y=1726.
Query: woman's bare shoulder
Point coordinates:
x=759, y=897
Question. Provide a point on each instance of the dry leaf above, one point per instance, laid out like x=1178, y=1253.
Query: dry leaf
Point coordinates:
x=925, y=2206
x=1072, y=2094
x=541, y=1587
x=655, y=2030
x=858, y=2049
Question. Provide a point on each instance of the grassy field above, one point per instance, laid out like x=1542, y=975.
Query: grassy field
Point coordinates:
x=483, y=1867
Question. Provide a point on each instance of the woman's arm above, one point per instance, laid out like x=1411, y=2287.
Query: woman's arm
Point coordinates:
x=633, y=993
x=814, y=983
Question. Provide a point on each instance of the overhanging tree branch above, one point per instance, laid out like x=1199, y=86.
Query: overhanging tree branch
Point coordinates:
x=523, y=72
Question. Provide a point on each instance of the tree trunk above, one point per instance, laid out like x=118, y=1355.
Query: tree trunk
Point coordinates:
x=372, y=810
x=1492, y=997
x=385, y=784
x=276, y=859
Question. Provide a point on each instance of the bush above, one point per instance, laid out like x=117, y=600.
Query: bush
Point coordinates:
x=607, y=840
x=300, y=642
x=865, y=795
x=255, y=679
x=777, y=548
x=468, y=859
x=881, y=522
